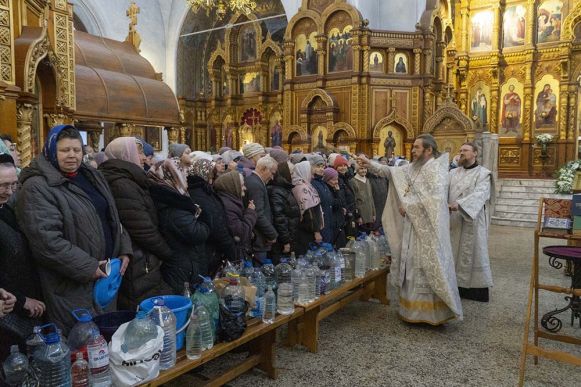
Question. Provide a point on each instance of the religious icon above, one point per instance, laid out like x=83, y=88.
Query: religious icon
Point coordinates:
x=228, y=136
x=376, y=62
x=514, y=26
x=306, y=55
x=276, y=135
x=340, y=50
x=482, y=23
x=153, y=137
x=251, y=82
x=546, y=107
x=401, y=64
x=389, y=145
x=318, y=138
x=511, y=113
x=247, y=43
x=275, y=84
x=549, y=21
x=479, y=109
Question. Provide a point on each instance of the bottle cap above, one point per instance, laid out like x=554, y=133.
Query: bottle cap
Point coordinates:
x=79, y=355
x=82, y=315
x=14, y=349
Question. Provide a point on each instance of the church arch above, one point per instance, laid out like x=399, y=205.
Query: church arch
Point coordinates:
x=574, y=17
x=394, y=118
x=323, y=94
x=342, y=127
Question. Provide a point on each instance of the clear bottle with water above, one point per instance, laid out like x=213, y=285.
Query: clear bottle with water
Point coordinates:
x=348, y=272
x=138, y=332
x=360, y=258
x=98, y=353
x=295, y=279
x=373, y=253
x=194, y=346
x=52, y=362
x=206, y=326
x=283, y=272
x=339, y=268
x=269, y=306
x=82, y=331
x=187, y=290
x=34, y=341
x=269, y=273
x=15, y=367
x=285, y=304
x=163, y=316
x=304, y=289
x=315, y=285
x=257, y=279
x=310, y=274
x=80, y=371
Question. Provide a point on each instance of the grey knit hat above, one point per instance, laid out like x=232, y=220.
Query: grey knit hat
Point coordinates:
x=252, y=149
x=176, y=150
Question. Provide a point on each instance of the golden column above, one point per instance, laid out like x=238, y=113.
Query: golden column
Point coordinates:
x=24, y=122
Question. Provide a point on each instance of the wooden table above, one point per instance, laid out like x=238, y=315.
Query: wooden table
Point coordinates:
x=261, y=338
x=305, y=329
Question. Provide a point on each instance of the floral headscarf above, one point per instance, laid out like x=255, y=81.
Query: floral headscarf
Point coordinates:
x=202, y=168
x=303, y=191
x=166, y=173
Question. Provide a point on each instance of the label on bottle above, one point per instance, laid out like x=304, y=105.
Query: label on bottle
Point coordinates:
x=98, y=356
x=337, y=274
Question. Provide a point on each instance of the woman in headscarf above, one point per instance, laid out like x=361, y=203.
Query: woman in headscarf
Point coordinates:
x=180, y=153
x=180, y=224
x=130, y=187
x=285, y=211
x=220, y=244
x=5, y=149
x=311, y=221
x=68, y=213
x=241, y=221
x=220, y=167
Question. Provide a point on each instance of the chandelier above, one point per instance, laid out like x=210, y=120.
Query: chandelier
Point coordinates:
x=223, y=6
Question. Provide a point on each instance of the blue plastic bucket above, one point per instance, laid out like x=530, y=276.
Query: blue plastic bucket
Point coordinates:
x=180, y=306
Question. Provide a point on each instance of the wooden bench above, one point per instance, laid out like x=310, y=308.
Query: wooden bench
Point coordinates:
x=305, y=329
x=261, y=338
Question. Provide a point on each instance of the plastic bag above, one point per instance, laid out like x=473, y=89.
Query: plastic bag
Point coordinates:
x=232, y=325
x=136, y=366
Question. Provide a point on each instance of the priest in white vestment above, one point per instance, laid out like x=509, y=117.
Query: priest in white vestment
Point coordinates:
x=416, y=220
x=468, y=198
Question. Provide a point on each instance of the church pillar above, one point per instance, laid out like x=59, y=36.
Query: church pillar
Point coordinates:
x=528, y=116
x=24, y=123
x=572, y=114
x=417, y=61
x=390, y=59
x=464, y=36
x=496, y=35
x=531, y=19
x=173, y=135
x=288, y=75
x=322, y=54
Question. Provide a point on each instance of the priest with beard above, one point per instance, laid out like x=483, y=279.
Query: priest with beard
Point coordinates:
x=416, y=220
x=468, y=198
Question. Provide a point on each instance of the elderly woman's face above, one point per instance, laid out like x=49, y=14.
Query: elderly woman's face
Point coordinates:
x=69, y=154
x=185, y=158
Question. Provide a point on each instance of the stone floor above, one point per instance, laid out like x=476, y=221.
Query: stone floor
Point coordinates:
x=366, y=344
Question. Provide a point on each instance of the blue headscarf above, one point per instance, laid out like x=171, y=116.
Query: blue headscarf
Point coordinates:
x=49, y=150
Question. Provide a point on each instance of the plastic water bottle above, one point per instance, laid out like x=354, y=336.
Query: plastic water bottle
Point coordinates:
x=360, y=258
x=34, y=341
x=257, y=279
x=373, y=253
x=82, y=331
x=247, y=269
x=295, y=280
x=52, y=362
x=292, y=260
x=349, y=264
x=310, y=274
x=304, y=289
x=269, y=306
x=187, y=290
x=163, y=316
x=269, y=273
x=207, y=296
x=285, y=304
x=15, y=367
x=339, y=267
x=98, y=353
x=233, y=297
x=283, y=272
x=315, y=285
x=80, y=371
x=205, y=326
x=194, y=338
x=138, y=332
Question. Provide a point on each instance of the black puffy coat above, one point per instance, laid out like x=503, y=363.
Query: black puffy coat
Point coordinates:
x=379, y=187
x=185, y=234
x=241, y=222
x=311, y=222
x=326, y=197
x=348, y=199
x=285, y=212
x=220, y=244
x=130, y=188
x=264, y=230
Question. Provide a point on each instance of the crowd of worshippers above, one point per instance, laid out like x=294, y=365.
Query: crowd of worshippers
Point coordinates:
x=170, y=221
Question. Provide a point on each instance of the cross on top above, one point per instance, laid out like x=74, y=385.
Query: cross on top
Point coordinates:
x=449, y=92
x=132, y=14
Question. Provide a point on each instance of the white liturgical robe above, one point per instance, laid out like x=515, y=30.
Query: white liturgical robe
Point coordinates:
x=422, y=265
x=470, y=188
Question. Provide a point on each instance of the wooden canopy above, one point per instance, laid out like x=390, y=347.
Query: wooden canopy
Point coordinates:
x=114, y=83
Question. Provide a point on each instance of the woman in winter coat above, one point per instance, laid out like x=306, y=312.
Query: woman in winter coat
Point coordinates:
x=130, y=187
x=311, y=221
x=70, y=218
x=220, y=244
x=285, y=211
x=341, y=165
x=326, y=196
x=331, y=180
x=231, y=190
x=180, y=225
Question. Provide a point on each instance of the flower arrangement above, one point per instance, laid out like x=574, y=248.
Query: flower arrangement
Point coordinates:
x=543, y=139
x=566, y=176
